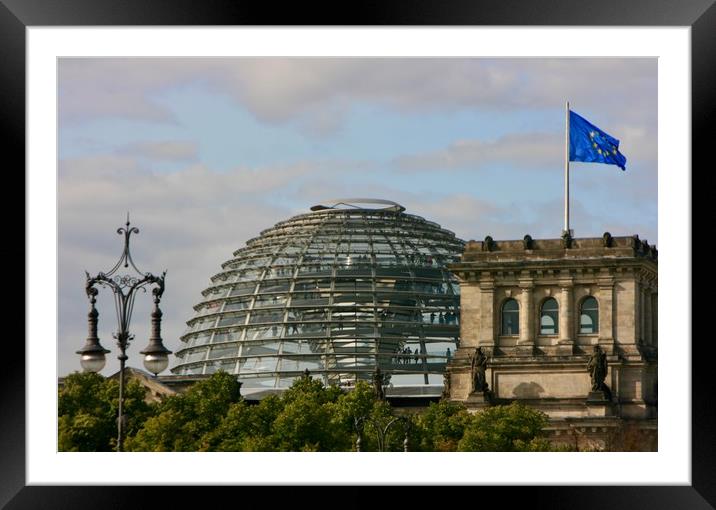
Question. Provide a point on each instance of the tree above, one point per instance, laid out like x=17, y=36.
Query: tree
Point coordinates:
x=360, y=407
x=246, y=427
x=351, y=406
x=184, y=422
x=441, y=426
x=307, y=417
x=212, y=416
x=88, y=409
x=504, y=429
x=304, y=424
x=302, y=419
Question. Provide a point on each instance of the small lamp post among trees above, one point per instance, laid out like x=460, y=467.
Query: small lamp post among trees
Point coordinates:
x=381, y=425
x=124, y=287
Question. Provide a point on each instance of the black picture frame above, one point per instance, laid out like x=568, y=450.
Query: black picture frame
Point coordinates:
x=700, y=15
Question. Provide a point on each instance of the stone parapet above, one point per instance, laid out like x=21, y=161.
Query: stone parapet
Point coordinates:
x=555, y=249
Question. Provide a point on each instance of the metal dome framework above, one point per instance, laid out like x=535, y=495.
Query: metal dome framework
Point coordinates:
x=339, y=291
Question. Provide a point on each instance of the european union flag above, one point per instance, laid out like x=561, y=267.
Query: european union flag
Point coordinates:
x=590, y=144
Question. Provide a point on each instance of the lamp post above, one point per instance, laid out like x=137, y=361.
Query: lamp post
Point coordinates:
x=124, y=287
x=381, y=427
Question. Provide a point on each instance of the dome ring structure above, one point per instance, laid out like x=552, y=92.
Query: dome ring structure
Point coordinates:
x=338, y=292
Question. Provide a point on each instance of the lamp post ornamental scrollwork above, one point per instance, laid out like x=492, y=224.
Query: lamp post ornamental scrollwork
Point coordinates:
x=381, y=427
x=124, y=288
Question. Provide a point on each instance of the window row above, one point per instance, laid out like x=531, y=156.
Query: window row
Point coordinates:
x=549, y=317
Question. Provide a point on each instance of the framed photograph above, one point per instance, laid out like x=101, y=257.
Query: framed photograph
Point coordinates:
x=206, y=120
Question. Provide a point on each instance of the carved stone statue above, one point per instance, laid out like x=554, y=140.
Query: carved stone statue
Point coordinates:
x=478, y=364
x=378, y=382
x=597, y=367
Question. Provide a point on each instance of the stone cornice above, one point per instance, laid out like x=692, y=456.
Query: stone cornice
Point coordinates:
x=581, y=248
x=560, y=269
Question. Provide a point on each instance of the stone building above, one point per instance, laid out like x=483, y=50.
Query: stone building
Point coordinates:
x=538, y=309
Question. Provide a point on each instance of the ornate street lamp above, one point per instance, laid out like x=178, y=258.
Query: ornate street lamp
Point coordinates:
x=92, y=354
x=381, y=427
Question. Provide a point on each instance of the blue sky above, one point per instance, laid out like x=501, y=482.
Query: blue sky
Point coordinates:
x=205, y=153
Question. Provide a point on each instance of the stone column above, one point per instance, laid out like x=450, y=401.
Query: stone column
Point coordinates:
x=526, y=342
x=470, y=297
x=487, y=333
x=640, y=315
x=606, y=316
x=647, y=322
x=655, y=319
x=565, y=345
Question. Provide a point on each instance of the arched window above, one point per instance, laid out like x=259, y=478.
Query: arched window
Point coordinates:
x=589, y=316
x=510, y=318
x=549, y=318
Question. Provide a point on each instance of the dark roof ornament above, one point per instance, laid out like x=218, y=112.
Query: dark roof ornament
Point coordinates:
x=488, y=244
x=607, y=240
x=527, y=242
x=636, y=242
x=645, y=248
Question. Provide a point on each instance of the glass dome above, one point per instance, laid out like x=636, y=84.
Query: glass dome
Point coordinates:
x=353, y=285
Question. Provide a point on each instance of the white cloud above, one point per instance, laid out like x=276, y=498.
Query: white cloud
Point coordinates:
x=190, y=222
x=533, y=150
x=320, y=90
x=168, y=150
x=473, y=218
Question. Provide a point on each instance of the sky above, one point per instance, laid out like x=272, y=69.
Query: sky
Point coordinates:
x=205, y=153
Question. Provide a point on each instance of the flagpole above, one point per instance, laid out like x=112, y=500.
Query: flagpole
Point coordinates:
x=566, y=170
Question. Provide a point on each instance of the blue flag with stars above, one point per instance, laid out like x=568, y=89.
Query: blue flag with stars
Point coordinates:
x=590, y=144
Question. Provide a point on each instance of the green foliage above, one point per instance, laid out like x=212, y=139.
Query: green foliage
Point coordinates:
x=375, y=416
x=308, y=387
x=304, y=424
x=307, y=417
x=245, y=428
x=212, y=416
x=379, y=424
x=359, y=402
x=183, y=422
x=304, y=418
x=441, y=427
x=504, y=429
x=88, y=410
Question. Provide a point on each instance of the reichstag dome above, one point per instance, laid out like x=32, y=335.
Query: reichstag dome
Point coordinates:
x=353, y=285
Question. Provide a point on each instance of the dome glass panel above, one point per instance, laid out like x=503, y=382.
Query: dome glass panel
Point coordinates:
x=339, y=291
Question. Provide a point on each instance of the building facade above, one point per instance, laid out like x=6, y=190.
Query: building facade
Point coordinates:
x=540, y=310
